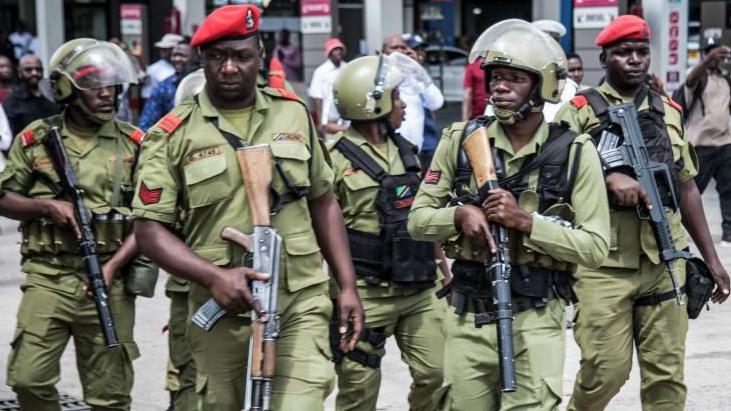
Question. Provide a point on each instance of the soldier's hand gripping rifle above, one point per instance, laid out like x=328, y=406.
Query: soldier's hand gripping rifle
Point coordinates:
x=479, y=153
x=265, y=244
x=87, y=242
x=631, y=151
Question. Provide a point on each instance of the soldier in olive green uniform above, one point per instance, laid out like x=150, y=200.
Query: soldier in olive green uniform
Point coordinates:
x=86, y=76
x=377, y=176
x=188, y=162
x=552, y=205
x=616, y=308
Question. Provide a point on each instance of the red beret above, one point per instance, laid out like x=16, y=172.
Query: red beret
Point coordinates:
x=227, y=22
x=625, y=27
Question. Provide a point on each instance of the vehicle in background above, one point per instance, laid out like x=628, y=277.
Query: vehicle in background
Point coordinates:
x=446, y=65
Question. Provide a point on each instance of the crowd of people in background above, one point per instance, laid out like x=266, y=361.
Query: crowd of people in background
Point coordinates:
x=406, y=118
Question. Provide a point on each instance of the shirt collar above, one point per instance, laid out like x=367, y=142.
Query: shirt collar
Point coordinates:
x=261, y=103
x=502, y=142
x=614, y=97
x=353, y=135
x=108, y=129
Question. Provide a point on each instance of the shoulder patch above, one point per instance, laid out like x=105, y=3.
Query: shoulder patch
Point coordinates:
x=674, y=104
x=579, y=101
x=169, y=123
x=28, y=138
x=282, y=93
x=136, y=136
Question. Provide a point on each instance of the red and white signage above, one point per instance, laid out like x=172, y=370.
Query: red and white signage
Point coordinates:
x=596, y=3
x=315, y=16
x=131, y=19
x=668, y=20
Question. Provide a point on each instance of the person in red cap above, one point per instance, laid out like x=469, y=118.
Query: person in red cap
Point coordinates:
x=321, y=88
x=189, y=162
x=630, y=302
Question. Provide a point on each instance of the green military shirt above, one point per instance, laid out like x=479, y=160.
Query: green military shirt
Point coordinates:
x=585, y=244
x=635, y=236
x=187, y=164
x=52, y=250
x=356, y=191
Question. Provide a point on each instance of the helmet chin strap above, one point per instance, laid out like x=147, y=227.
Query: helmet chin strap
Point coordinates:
x=98, y=118
x=510, y=117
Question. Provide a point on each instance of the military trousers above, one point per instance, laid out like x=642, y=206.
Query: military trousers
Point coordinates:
x=304, y=374
x=715, y=163
x=472, y=372
x=415, y=321
x=54, y=309
x=181, y=373
x=609, y=327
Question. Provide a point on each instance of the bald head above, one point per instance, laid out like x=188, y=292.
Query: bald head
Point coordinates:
x=394, y=43
x=31, y=70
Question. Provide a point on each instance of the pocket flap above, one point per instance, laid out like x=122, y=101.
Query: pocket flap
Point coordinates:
x=358, y=180
x=294, y=150
x=204, y=169
x=301, y=244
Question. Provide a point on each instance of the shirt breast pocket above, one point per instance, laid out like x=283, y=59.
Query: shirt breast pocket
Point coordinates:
x=292, y=159
x=361, y=192
x=207, y=181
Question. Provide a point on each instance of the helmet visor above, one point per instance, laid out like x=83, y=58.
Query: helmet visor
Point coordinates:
x=399, y=70
x=100, y=65
x=190, y=85
x=517, y=39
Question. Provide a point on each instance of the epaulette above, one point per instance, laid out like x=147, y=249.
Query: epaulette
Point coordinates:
x=172, y=120
x=330, y=145
x=28, y=138
x=454, y=129
x=674, y=104
x=579, y=101
x=282, y=93
x=35, y=132
x=133, y=133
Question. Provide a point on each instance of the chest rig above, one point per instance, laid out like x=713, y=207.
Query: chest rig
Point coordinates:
x=392, y=255
x=42, y=238
x=654, y=132
x=532, y=286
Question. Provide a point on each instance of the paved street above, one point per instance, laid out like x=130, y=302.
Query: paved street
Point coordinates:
x=707, y=376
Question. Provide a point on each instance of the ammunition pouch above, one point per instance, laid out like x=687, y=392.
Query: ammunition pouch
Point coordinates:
x=392, y=255
x=698, y=286
x=471, y=289
x=373, y=336
x=42, y=237
x=140, y=277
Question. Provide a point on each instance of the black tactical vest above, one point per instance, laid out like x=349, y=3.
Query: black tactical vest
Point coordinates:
x=532, y=287
x=654, y=132
x=555, y=184
x=392, y=255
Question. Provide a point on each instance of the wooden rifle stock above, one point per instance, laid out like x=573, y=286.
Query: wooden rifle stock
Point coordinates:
x=255, y=163
x=479, y=153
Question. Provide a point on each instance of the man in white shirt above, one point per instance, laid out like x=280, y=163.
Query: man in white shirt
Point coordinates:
x=321, y=88
x=163, y=68
x=412, y=128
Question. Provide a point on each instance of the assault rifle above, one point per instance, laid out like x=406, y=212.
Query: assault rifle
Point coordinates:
x=479, y=153
x=87, y=243
x=632, y=152
x=265, y=243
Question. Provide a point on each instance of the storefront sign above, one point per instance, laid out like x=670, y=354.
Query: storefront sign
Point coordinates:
x=596, y=3
x=669, y=23
x=315, y=16
x=131, y=19
x=594, y=17
x=315, y=7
